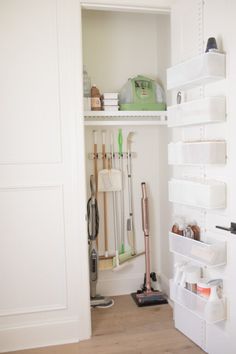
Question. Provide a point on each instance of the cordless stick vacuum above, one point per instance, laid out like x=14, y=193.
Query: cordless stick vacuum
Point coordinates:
x=93, y=228
x=147, y=296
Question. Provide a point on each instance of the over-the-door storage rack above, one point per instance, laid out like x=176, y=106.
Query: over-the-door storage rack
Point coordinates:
x=200, y=70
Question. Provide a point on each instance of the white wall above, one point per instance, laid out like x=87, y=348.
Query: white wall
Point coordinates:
x=117, y=46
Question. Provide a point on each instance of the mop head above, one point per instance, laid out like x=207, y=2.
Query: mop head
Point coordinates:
x=151, y=298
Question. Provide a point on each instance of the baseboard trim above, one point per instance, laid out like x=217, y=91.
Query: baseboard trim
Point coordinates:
x=119, y=286
x=39, y=335
x=126, y=285
x=164, y=283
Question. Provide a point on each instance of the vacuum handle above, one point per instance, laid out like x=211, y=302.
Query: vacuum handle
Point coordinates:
x=144, y=204
x=145, y=224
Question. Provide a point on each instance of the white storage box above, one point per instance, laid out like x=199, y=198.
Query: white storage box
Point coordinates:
x=200, y=70
x=205, y=110
x=197, y=153
x=190, y=301
x=197, y=331
x=209, y=254
x=200, y=193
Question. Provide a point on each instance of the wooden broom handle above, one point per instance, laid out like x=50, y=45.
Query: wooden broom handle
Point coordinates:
x=95, y=168
x=104, y=197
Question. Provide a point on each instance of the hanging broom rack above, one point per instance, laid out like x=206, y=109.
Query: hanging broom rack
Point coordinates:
x=109, y=155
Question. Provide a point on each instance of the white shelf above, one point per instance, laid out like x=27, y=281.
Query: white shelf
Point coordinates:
x=197, y=153
x=201, y=70
x=200, y=193
x=191, y=301
x=205, y=110
x=100, y=118
x=208, y=254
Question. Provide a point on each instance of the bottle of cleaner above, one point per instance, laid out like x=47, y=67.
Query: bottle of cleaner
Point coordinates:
x=95, y=99
x=214, y=309
x=86, y=82
x=86, y=89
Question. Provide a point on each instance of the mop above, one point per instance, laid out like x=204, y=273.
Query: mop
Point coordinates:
x=95, y=166
x=128, y=256
x=147, y=296
x=119, y=260
x=116, y=260
x=93, y=228
x=130, y=226
x=122, y=216
x=104, y=194
x=106, y=261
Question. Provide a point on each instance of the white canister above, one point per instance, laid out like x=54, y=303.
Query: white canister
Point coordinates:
x=191, y=276
x=203, y=288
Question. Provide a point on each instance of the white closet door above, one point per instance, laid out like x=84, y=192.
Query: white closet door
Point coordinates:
x=44, y=295
x=220, y=22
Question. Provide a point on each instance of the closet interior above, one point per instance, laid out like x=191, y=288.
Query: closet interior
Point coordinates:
x=118, y=46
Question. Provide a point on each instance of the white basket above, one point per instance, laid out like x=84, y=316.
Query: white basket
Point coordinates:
x=197, y=153
x=209, y=254
x=190, y=301
x=200, y=70
x=200, y=193
x=205, y=110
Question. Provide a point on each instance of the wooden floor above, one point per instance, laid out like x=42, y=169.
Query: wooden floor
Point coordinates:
x=127, y=329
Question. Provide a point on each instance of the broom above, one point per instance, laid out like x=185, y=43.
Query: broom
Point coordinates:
x=106, y=261
x=126, y=256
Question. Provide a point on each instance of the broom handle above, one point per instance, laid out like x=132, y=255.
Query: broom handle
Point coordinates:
x=95, y=167
x=145, y=225
x=122, y=216
x=95, y=161
x=130, y=226
x=115, y=211
x=104, y=193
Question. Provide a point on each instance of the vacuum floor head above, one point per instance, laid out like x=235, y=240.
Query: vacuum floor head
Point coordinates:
x=152, y=298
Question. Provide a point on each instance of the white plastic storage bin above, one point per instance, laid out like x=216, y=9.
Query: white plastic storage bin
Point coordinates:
x=208, y=254
x=191, y=301
x=200, y=70
x=197, y=153
x=205, y=110
x=208, y=194
x=197, y=331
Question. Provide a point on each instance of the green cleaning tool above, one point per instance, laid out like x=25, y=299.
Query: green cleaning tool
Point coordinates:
x=126, y=257
x=142, y=94
x=116, y=260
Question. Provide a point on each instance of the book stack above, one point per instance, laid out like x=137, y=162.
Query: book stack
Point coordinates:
x=110, y=101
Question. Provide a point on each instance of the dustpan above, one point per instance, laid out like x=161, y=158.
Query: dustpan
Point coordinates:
x=109, y=180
